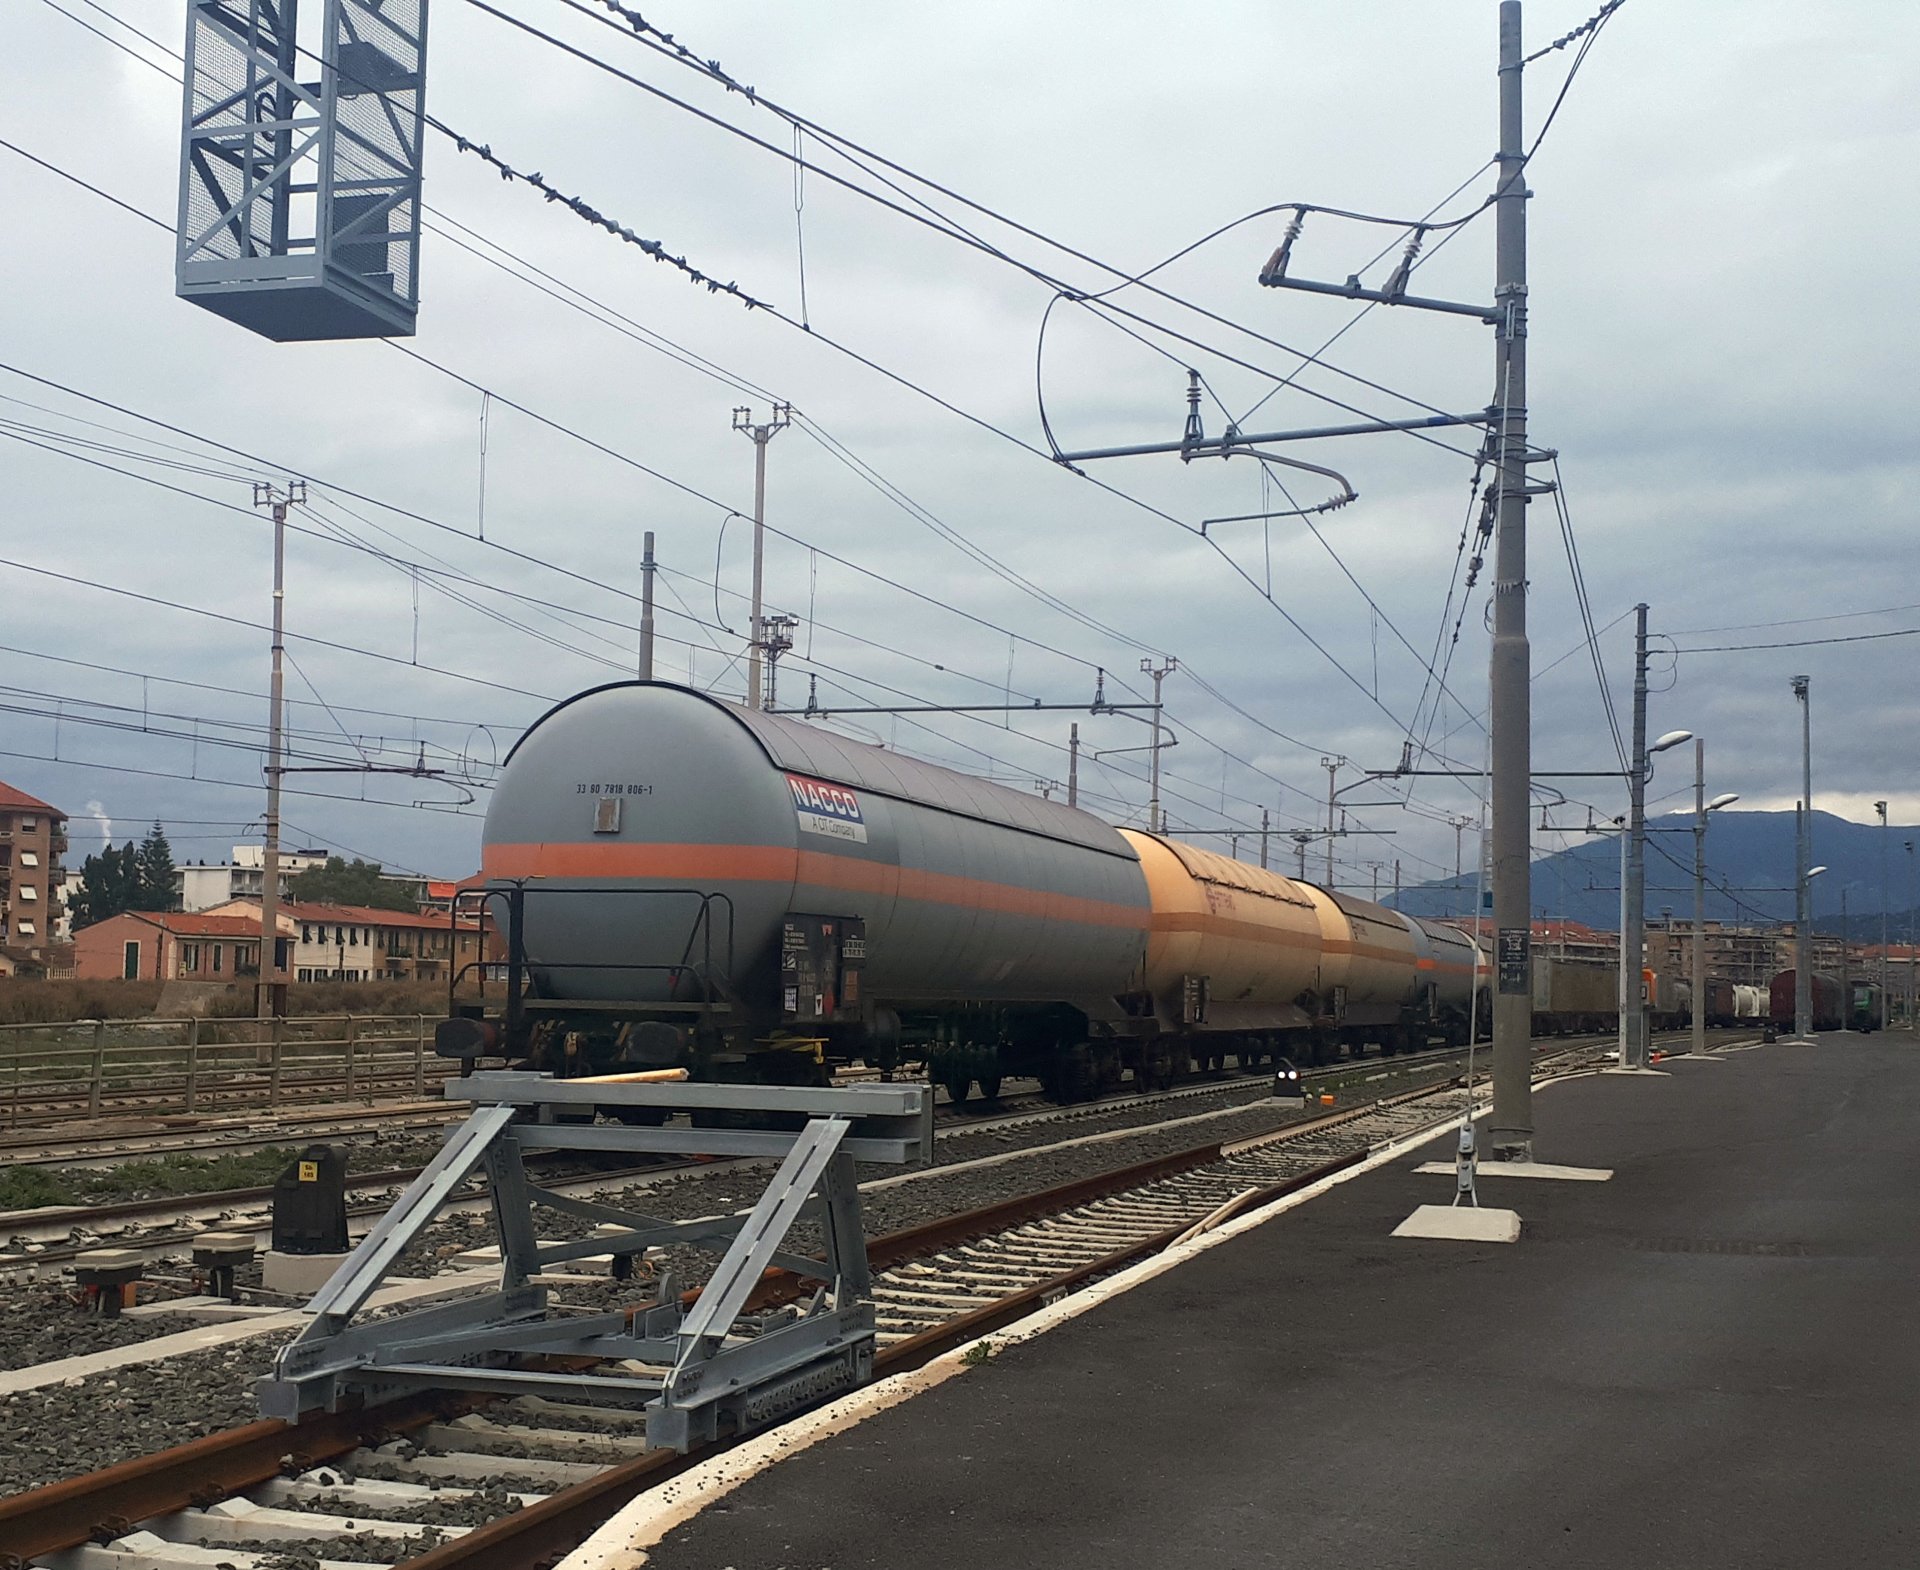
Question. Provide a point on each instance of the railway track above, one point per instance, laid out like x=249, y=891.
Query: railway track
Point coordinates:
x=178, y=1134
x=165, y=1224
x=439, y=1483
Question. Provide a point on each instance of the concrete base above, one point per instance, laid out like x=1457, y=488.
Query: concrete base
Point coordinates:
x=215, y=1310
x=1525, y=1169
x=1644, y=1073
x=297, y=1275
x=1461, y=1223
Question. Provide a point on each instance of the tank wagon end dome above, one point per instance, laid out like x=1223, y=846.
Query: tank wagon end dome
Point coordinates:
x=796, y=747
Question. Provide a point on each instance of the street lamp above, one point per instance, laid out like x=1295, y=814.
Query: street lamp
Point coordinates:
x=1701, y=807
x=1633, y=936
x=1802, y=856
x=1886, y=1003
x=1803, y=981
x=1911, y=905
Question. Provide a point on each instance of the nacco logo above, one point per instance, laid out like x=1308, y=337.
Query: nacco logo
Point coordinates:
x=833, y=801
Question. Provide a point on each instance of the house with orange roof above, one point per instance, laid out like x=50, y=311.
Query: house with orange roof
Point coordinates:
x=362, y=943
x=168, y=945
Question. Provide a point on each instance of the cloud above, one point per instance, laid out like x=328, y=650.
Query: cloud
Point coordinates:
x=1728, y=399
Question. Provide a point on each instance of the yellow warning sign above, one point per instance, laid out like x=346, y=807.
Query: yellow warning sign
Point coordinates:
x=309, y=1172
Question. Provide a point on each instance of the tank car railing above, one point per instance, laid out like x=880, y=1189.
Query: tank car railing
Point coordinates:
x=705, y=932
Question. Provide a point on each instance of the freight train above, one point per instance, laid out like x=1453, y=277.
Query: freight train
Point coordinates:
x=685, y=882
x=1832, y=1009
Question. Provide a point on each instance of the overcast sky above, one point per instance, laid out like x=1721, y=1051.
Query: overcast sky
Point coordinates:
x=1722, y=263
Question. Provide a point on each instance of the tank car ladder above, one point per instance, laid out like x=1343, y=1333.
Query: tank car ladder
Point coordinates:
x=692, y=1366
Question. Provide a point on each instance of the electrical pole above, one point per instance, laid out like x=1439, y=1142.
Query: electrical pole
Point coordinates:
x=1633, y=935
x=1156, y=820
x=1846, y=971
x=1073, y=764
x=270, y=989
x=1803, y=859
x=1881, y=808
x=1622, y=989
x=1300, y=854
x=1264, y=822
x=1510, y=719
x=646, y=608
x=1333, y=766
x=1699, y=895
x=760, y=435
x=1911, y=904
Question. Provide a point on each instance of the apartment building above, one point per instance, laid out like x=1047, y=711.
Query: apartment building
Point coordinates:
x=33, y=838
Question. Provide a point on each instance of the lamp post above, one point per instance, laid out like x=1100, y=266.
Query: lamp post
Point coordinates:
x=1634, y=936
x=1802, y=855
x=1803, y=980
x=1701, y=807
x=1885, y=1004
x=1910, y=906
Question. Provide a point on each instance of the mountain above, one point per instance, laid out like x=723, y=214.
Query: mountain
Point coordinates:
x=1749, y=875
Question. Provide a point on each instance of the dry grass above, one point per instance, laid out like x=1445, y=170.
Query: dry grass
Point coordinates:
x=53, y=1002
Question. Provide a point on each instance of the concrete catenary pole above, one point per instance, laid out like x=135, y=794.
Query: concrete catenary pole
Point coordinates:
x=760, y=435
x=1803, y=859
x=1510, y=1130
x=1333, y=766
x=1622, y=989
x=1912, y=904
x=646, y=607
x=1633, y=933
x=1265, y=824
x=1846, y=972
x=270, y=992
x=1073, y=764
x=1156, y=819
x=1699, y=895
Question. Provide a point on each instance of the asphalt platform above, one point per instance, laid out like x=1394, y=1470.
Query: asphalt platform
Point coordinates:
x=1711, y=1360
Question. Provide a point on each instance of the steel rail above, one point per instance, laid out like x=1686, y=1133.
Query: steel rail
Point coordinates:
x=101, y=1505
x=553, y=1527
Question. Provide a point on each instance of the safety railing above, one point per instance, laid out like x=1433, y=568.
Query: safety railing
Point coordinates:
x=92, y=1069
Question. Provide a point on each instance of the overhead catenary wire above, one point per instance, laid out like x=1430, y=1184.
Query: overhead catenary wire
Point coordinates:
x=1296, y=743
x=882, y=369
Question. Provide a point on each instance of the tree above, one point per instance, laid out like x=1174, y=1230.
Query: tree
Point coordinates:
x=109, y=883
x=342, y=882
x=155, y=870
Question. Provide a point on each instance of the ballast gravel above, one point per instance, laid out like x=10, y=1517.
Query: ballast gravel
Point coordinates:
x=45, y=1321
x=57, y=1432
x=61, y=1430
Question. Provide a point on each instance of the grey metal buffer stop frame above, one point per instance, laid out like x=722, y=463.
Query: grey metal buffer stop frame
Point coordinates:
x=691, y=1367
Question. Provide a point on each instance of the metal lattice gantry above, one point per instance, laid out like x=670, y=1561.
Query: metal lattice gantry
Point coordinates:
x=300, y=200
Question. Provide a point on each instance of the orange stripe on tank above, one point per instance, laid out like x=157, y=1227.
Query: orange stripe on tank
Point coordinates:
x=705, y=864
x=712, y=863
